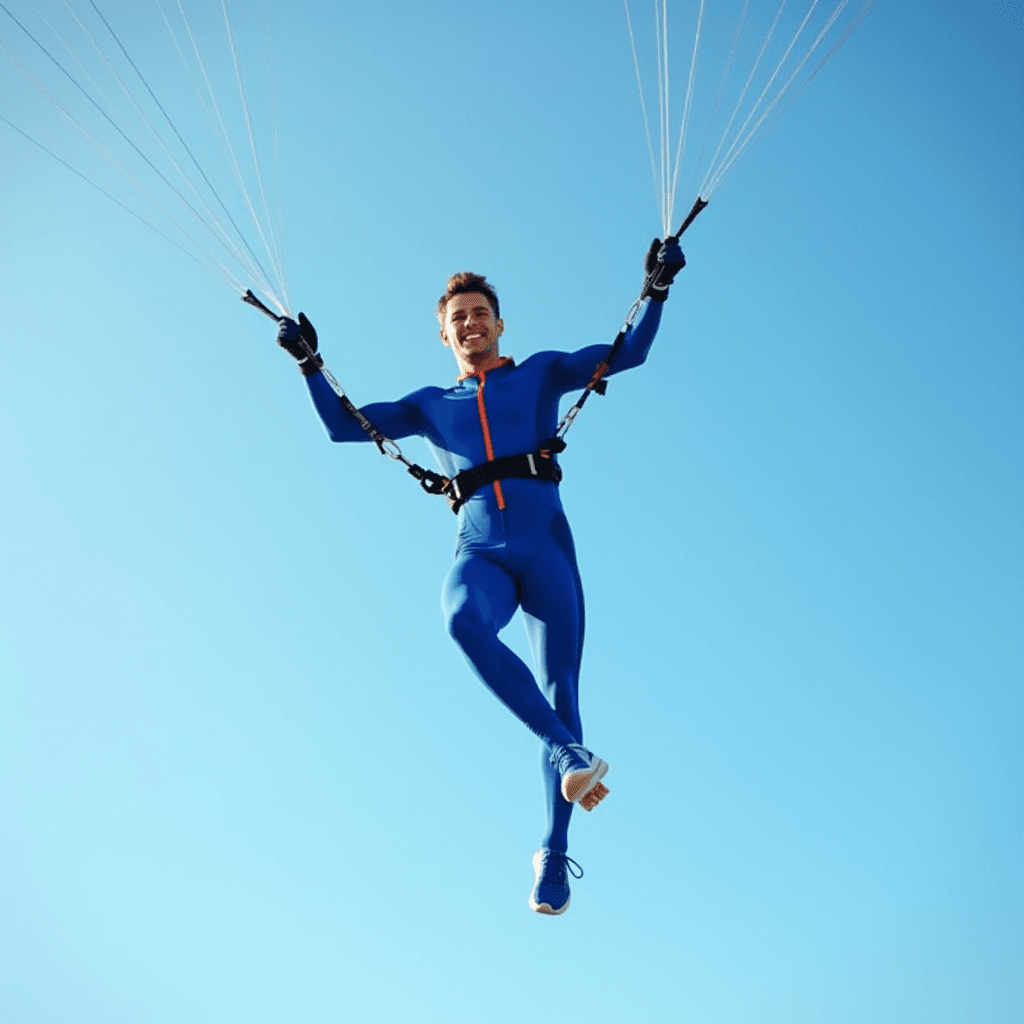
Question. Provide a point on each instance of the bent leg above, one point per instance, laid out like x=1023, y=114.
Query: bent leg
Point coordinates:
x=479, y=599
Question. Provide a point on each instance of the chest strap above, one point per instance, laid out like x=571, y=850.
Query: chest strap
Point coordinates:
x=538, y=465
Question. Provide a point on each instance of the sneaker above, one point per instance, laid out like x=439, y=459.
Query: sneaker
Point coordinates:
x=581, y=775
x=551, y=889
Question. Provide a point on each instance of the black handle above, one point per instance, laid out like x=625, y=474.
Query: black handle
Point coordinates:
x=253, y=301
x=690, y=218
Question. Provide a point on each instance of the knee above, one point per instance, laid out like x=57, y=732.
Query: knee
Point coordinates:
x=477, y=602
x=463, y=624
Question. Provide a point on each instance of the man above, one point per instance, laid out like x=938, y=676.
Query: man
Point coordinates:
x=514, y=545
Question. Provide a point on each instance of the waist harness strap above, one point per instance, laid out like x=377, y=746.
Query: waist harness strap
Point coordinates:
x=538, y=465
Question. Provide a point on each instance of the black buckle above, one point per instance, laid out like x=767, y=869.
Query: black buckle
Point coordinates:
x=552, y=444
x=431, y=482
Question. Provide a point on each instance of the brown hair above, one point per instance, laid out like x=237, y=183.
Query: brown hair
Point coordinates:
x=462, y=283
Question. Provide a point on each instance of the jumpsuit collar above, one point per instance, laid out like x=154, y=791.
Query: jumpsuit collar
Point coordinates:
x=505, y=361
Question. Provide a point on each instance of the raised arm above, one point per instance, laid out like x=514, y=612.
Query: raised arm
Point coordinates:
x=393, y=419
x=663, y=262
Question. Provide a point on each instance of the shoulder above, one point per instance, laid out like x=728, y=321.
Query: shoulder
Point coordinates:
x=540, y=362
x=547, y=356
x=422, y=397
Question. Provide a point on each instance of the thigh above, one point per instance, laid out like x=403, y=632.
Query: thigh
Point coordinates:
x=552, y=602
x=479, y=591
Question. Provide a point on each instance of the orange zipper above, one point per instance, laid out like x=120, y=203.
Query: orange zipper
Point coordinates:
x=488, y=447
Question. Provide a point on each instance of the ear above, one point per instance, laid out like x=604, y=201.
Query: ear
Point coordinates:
x=500, y=324
x=444, y=338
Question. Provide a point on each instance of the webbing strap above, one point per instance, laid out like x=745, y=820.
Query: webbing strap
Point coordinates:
x=538, y=465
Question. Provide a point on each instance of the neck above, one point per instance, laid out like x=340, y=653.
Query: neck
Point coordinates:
x=486, y=362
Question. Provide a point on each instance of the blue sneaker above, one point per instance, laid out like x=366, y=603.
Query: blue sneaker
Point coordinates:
x=581, y=775
x=551, y=890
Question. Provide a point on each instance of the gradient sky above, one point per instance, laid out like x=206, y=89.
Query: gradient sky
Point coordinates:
x=248, y=779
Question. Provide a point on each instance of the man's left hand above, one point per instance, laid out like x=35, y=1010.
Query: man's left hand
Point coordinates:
x=663, y=261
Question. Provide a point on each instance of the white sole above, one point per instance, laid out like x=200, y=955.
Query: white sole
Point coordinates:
x=584, y=787
x=546, y=908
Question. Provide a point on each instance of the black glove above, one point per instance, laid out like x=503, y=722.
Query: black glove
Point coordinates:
x=291, y=335
x=661, y=264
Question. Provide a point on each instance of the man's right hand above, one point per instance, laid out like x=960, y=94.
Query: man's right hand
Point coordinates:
x=290, y=336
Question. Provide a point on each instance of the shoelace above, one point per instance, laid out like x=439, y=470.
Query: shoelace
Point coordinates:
x=567, y=757
x=555, y=866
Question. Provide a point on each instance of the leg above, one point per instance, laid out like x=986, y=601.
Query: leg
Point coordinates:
x=479, y=599
x=554, y=616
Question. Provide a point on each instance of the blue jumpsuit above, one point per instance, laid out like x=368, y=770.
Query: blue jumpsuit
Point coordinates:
x=514, y=546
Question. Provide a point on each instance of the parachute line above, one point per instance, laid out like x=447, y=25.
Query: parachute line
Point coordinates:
x=100, y=148
x=103, y=150
x=743, y=136
x=760, y=96
x=174, y=162
x=225, y=137
x=850, y=29
x=789, y=81
x=704, y=190
x=269, y=245
x=640, y=89
x=227, y=235
x=233, y=282
x=721, y=89
x=687, y=104
x=661, y=47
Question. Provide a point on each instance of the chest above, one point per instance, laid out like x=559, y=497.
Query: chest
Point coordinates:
x=504, y=414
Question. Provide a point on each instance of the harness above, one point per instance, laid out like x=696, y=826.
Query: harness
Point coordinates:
x=538, y=465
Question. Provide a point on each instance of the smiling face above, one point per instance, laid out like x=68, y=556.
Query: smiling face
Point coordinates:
x=471, y=330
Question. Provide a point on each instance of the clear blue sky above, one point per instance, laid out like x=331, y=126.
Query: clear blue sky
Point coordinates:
x=247, y=778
